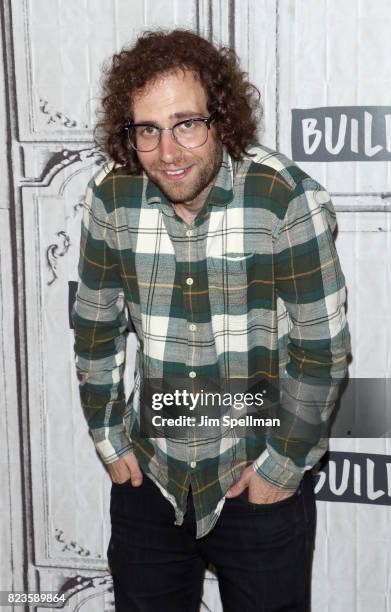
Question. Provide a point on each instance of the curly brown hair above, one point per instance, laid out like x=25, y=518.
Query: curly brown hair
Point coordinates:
x=228, y=91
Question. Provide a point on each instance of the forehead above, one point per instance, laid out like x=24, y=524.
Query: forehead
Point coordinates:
x=168, y=95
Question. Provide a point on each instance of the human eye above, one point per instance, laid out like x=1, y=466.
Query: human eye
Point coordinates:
x=147, y=131
x=188, y=125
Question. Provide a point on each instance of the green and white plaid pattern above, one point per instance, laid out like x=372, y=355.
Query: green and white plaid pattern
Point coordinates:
x=252, y=289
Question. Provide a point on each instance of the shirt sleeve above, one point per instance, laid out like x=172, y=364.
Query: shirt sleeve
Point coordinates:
x=311, y=296
x=100, y=323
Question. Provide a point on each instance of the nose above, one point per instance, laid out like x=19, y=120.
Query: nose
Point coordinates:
x=169, y=149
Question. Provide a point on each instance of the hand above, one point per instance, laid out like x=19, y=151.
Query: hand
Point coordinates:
x=125, y=468
x=259, y=490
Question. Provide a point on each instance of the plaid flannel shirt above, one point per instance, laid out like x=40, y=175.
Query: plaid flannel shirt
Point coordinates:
x=253, y=288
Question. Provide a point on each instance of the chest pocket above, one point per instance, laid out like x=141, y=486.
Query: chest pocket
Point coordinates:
x=228, y=278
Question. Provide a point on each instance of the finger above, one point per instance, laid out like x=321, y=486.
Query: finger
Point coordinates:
x=136, y=475
x=237, y=488
x=242, y=483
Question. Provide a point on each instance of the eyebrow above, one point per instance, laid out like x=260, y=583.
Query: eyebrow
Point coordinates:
x=188, y=113
x=179, y=115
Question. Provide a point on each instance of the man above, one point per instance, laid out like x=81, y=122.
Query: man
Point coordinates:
x=221, y=252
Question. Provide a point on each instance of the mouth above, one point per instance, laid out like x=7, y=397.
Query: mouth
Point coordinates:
x=176, y=175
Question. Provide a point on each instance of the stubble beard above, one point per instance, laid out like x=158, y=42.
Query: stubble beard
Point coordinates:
x=186, y=194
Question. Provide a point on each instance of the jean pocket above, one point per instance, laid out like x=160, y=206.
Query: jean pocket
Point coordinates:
x=269, y=507
x=121, y=484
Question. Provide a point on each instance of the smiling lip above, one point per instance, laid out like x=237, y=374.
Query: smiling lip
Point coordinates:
x=176, y=175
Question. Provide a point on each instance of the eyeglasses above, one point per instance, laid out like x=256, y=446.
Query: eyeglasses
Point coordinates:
x=190, y=133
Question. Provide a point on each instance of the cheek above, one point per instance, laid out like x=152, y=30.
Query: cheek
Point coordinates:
x=210, y=155
x=207, y=152
x=147, y=159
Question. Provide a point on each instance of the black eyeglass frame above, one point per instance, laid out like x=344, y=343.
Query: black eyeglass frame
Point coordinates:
x=129, y=125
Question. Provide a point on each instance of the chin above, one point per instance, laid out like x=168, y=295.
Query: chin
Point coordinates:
x=179, y=194
x=179, y=198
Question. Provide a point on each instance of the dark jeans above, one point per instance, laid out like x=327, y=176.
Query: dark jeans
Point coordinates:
x=262, y=553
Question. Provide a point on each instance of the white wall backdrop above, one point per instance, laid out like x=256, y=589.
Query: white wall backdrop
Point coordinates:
x=325, y=56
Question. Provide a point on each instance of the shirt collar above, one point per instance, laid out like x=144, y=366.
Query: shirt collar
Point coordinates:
x=220, y=195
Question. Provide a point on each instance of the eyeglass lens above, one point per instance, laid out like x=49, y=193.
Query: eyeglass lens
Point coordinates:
x=190, y=134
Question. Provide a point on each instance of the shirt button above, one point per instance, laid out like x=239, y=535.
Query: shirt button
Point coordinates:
x=192, y=374
x=193, y=464
x=189, y=281
x=192, y=327
x=189, y=233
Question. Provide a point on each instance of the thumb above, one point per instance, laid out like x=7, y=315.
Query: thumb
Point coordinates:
x=136, y=475
x=241, y=484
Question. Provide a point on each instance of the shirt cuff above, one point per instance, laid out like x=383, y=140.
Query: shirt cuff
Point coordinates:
x=111, y=442
x=279, y=475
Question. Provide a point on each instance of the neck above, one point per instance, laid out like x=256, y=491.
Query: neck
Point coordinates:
x=186, y=213
x=189, y=210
